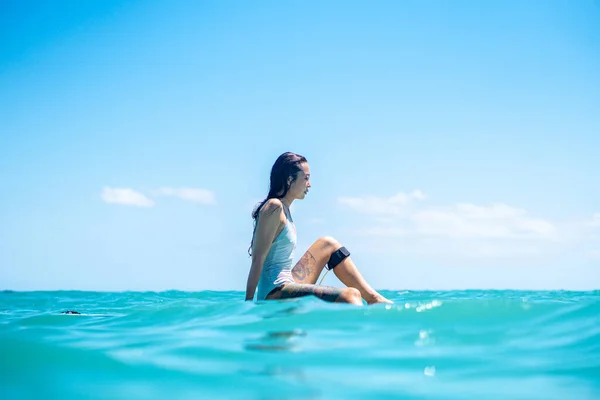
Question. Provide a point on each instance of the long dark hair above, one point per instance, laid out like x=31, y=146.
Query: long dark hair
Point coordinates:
x=287, y=165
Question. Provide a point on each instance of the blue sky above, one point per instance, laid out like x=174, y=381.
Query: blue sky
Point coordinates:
x=451, y=144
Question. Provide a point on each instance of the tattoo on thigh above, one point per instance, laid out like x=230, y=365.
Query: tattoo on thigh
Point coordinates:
x=327, y=293
x=304, y=267
x=292, y=290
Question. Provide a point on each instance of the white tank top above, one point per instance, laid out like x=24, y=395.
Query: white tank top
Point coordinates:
x=277, y=268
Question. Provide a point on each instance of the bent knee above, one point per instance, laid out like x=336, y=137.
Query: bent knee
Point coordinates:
x=329, y=241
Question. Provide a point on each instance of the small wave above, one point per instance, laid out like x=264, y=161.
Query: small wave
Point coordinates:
x=467, y=344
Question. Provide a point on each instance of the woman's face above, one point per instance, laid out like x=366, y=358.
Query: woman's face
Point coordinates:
x=300, y=187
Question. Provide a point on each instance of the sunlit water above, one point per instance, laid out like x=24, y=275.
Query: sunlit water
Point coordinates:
x=214, y=345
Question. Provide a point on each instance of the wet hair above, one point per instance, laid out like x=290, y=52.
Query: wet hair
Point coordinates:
x=287, y=165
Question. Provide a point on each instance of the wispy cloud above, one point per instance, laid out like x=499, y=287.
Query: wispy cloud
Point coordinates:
x=404, y=224
x=196, y=195
x=469, y=220
x=393, y=205
x=459, y=220
x=125, y=196
x=128, y=196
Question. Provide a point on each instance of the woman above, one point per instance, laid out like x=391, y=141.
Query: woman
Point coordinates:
x=274, y=242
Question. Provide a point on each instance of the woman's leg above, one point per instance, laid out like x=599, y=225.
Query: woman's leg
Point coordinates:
x=309, y=267
x=327, y=293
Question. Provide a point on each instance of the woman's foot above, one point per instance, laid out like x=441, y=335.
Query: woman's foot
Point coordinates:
x=377, y=298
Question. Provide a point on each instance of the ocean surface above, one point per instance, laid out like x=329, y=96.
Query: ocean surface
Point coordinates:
x=213, y=345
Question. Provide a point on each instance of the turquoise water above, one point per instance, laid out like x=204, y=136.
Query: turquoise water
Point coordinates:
x=213, y=345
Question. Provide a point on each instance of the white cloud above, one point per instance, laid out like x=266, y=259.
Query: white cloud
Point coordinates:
x=196, y=195
x=393, y=205
x=125, y=196
x=417, y=194
x=468, y=230
x=469, y=220
x=459, y=220
x=398, y=242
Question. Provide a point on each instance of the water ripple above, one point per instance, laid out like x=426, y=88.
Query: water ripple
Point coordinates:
x=428, y=345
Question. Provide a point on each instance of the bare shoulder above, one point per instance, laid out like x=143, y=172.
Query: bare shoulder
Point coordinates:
x=272, y=207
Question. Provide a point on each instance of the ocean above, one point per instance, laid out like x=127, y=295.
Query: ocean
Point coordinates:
x=476, y=344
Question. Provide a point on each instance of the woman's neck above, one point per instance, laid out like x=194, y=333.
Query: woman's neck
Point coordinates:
x=287, y=201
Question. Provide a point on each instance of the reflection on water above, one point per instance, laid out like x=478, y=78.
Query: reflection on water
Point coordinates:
x=283, y=312
x=277, y=341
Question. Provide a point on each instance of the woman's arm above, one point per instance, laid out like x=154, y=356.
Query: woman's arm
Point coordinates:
x=269, y=219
